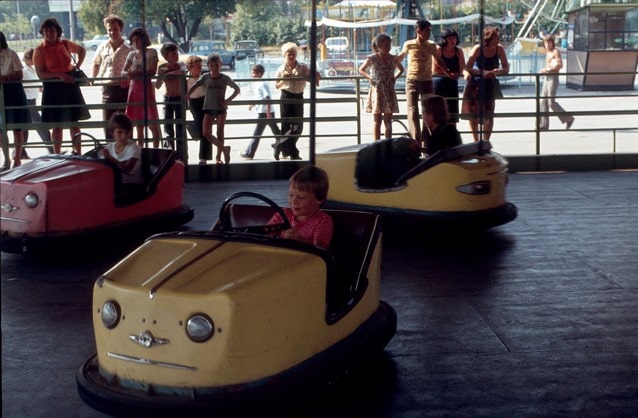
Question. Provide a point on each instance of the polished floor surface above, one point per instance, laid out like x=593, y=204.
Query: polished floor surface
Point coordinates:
x=538, y=317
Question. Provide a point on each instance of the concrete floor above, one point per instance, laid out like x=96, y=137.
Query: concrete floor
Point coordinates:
x=538, y=317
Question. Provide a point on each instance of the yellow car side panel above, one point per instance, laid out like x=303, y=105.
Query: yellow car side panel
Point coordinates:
x=264, y=302
x=431, y=190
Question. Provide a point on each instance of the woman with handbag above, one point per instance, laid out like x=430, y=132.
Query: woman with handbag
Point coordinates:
x=482, y=86
x=54, y=64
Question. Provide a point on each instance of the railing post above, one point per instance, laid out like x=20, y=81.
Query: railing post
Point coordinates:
x=183, y=144
x=537, y=93
x=357, y=87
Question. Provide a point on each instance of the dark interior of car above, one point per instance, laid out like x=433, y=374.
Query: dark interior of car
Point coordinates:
x=389, y=163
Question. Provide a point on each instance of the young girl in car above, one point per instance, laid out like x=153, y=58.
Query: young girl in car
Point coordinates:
x=125, y=154
x=307, y=190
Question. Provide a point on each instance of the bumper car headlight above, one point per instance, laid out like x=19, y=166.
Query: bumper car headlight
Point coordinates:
x=31, y=200
x=199, y=328
x=476, y=188
x=110, y=314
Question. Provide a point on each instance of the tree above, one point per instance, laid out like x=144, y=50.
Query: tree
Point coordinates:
x=15, y=17
x=19, y=25
x=92, y=13
x=184, y=16
x=178, y=21
x=270, y=23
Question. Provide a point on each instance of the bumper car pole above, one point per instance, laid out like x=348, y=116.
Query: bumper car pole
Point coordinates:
x=481, y=82
x=313, y=79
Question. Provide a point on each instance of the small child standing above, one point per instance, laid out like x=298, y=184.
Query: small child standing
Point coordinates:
x=215, y=103
x=264, y=110
x=196, y=106
x=382, y=98
x=170, y=74
x=307, y=191
x=141, y=89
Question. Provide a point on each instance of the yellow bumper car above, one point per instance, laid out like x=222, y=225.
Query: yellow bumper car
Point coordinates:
x=463, y=186
x=218, y=321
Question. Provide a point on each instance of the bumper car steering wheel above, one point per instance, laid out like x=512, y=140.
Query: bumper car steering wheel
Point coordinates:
x=225, y=222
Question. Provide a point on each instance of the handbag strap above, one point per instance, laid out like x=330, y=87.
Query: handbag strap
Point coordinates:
x=75, y=63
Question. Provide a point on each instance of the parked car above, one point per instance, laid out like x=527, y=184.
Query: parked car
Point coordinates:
x=234, y=319
x=93, y=43
x=203, y=48
x=71, y=197
x=248, y=49
x=459, y=187
x=337, y=46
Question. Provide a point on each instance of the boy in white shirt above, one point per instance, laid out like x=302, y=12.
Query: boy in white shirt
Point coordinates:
x=264, y=111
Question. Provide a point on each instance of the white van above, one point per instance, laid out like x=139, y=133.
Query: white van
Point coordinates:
x=337, y=44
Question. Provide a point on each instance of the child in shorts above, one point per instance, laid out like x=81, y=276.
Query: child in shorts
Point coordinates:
x=215, y=103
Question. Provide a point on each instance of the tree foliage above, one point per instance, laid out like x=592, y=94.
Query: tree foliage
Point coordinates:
x=92, y=13
x=178, y=20
x=184, y=16
x=20, y=23
x=271, y=23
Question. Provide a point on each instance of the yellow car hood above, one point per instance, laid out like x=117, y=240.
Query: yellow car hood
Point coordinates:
x=202, y=265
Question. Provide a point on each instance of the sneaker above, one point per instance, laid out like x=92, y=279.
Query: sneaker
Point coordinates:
x=202, y=162
x=569, y=123
x=245, y=156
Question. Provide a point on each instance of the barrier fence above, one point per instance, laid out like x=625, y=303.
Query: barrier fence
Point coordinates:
x=606, y=121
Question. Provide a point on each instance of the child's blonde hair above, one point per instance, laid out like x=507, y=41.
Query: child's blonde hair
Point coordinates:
x=191, y=60
x=312, y=179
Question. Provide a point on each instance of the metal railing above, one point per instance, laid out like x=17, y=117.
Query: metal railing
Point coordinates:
x=607, y=117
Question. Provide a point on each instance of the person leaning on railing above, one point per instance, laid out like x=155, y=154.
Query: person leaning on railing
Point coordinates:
x=292, y=76
x=482, y=86
x=108, y=62
x=13, y=95
x=61, y=97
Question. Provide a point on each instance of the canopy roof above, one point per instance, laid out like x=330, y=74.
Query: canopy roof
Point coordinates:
x=384, y=4
x=400, y=21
